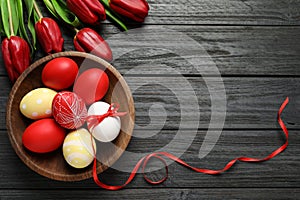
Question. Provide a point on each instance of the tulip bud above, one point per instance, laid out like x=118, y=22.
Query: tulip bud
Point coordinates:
x=16, y=56
x=88, y=11
x=49, y=35
x=87, y=40
x=136, y=10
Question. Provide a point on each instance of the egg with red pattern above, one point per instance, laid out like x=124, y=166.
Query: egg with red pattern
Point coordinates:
x=69, y=110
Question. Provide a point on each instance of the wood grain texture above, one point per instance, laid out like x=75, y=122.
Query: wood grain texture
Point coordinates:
x=251, y=102
x=183, y=194
x=251, y=12
x=281, y=172
x=235, y=50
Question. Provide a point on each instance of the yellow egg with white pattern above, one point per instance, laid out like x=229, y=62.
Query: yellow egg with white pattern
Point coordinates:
x=37, y=104
x=78, y=148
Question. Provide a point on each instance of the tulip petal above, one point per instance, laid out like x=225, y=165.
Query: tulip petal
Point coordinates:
x=89, y=41
x=89, y=11
x=49, y=35
x=134, y=9
x=16, y=56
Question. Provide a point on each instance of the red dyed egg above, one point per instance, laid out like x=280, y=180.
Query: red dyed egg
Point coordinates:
x=92, y=85
x=43, y=136
x=69, y=110
x=60, y=73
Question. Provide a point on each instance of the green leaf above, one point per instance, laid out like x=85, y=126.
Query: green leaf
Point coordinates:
x=15, y=15
x=22, y=29
x=51, y=9
x=60, y=10
x=31, y=20
x=65, y=14
x=1, y=27
x=5, y=8
x=5, y=17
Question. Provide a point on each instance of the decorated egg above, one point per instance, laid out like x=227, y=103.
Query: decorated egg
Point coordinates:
x=37, y=104
x=91, y=85
x=109, y=128
x=60, y=73
x=43, y=136
x=78, y=148
x=69, y=110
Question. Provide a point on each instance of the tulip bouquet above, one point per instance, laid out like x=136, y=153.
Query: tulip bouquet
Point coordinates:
x=19, y=44
x=13, y=46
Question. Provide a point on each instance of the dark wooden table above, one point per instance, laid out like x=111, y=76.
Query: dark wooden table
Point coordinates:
x=256, y=47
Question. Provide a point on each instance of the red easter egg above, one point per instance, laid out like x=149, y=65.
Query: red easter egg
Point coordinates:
x=69, y=110
x=43, y=136
x=59, y=73
x=91, y=85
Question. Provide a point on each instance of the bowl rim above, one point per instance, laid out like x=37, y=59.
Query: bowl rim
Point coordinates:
x=16, y=146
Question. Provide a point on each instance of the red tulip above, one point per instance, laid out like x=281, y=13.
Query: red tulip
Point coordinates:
x=136, y=10
x=87, y=40
x=49, y=35
x=16, y=56
x=88, y=11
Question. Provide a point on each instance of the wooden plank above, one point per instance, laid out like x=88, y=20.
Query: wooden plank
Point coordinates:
x=172, y=101
x=252, y=12
x=235, y=50
x=281, y=172
x=209, y=193
x=251, y=102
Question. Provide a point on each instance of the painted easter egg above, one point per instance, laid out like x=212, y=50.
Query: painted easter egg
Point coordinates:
x=60, y=73
x=109, y=128
x=37, y=104
x=43, y=136
x=91, y=85
x=69, y=110
x=78, y=148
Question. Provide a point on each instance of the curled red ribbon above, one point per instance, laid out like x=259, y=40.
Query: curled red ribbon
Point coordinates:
x=94, y=120
x=143, y=161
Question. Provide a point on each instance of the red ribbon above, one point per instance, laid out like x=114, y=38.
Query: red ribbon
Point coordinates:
x=94, y=120
x=143, y=161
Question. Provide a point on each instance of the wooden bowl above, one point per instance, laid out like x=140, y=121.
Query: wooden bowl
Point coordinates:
x=53, y=165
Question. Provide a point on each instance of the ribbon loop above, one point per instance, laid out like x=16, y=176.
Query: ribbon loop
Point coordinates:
x=143, y=161
x=146, y=160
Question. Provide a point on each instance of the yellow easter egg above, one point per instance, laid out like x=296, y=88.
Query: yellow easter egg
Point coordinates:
x=78, y=149
x=37, y=104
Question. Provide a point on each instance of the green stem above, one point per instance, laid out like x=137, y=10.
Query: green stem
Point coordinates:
x=76, y=30
x=10, y=19
x=113, y=15
x=36, y=8
x=105, y=2
x=108, y=13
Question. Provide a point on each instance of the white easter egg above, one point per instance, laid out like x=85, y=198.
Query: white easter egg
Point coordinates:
x=37, y=104
x=78, y=148
x=109, y=128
